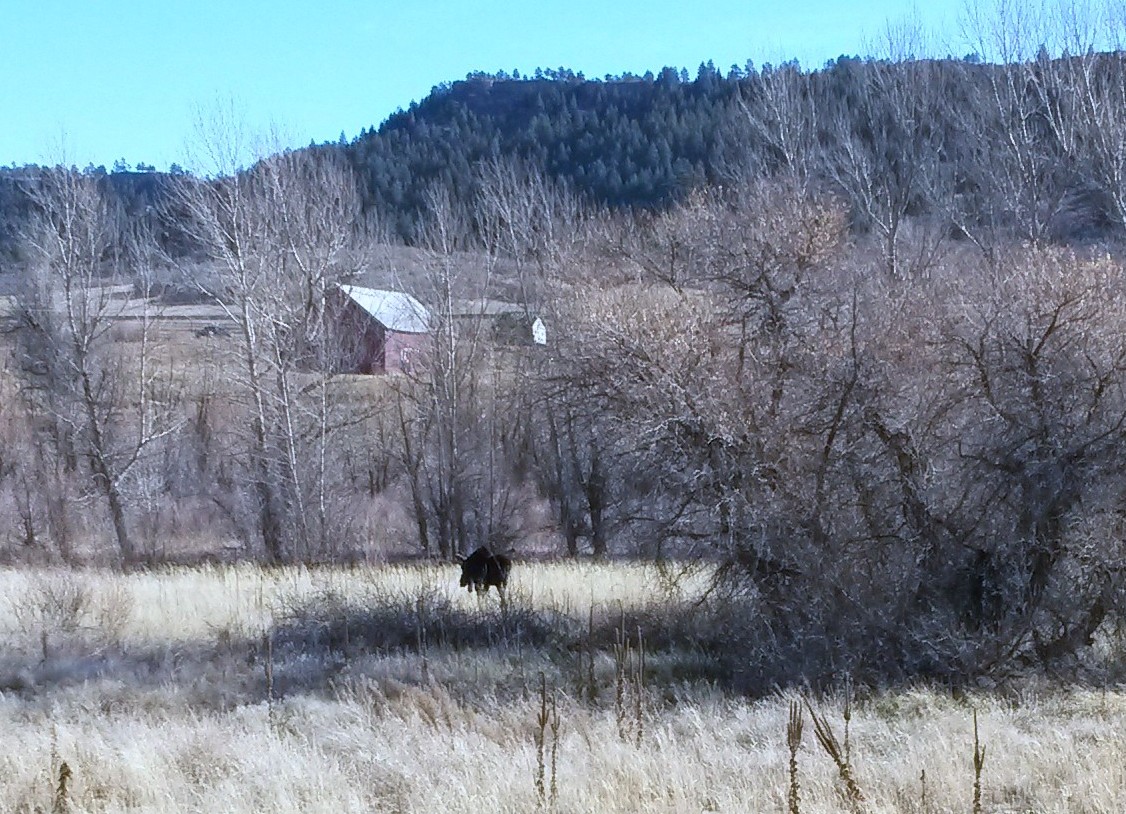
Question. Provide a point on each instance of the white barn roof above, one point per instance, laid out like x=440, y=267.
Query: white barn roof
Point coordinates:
x=395, y=310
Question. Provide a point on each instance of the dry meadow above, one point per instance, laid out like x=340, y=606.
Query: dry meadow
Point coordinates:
x=239, y=689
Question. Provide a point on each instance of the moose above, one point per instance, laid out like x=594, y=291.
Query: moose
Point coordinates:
x=482, y=569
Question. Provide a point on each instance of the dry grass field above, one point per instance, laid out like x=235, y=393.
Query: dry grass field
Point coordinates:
x=238, y=689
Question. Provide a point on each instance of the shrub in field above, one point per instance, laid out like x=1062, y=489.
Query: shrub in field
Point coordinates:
x=406, y=622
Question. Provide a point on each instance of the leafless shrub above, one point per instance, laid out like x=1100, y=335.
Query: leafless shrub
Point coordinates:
x=60, y=606
x=409, y=623
x=58, y=603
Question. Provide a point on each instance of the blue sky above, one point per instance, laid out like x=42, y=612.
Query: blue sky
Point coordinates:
x=93, y=81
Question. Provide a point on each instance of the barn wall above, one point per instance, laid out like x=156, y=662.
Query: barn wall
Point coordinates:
x=370, y=357
x=405, y=351
x=359, y=339
x=366, y=346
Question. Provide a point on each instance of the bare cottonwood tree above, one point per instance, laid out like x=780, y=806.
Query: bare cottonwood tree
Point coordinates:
x=1099, y=88
x=281, y=232
x=1083, y=94
x=539, y=229
x=109, y=408
x=532, y=223
x=1016, y=167
x=782, y=116
x=449, y=406
x=886, y=158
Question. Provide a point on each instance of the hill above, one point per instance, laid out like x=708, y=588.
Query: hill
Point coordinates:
x=625, y=142
x=1027, y=150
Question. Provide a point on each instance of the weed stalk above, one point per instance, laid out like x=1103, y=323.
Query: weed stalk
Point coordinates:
x=554, y=748
x=793, y=740
x=61, y=804
x=629, y=678
x=542, y=720
x=979, y=763
x=621, y=657
x=828, y=740
x=268, y=667
x=639, y=687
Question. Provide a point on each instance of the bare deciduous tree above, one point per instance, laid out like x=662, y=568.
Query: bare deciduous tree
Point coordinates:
x=109, y=408
x=281, y=233
x=1015, y=168
x=886, y=158
x=782, y=116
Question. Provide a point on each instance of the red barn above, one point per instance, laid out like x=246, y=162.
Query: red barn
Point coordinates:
x=378, y=331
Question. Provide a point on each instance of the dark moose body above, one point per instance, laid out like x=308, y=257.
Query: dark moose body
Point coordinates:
x=483, y=569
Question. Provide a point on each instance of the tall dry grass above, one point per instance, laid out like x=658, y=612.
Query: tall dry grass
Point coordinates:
x=151, y=689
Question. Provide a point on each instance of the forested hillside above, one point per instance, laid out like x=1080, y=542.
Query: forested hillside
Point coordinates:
x=632, y=141
x=1031, y=149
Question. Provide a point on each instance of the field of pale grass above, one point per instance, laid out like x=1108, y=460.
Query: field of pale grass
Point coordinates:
x=239, y=689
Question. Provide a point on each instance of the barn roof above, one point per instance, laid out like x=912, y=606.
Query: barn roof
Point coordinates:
x=395, y=310
x=484, y=307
